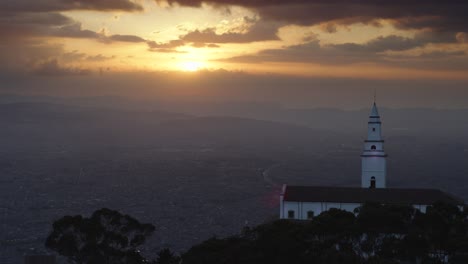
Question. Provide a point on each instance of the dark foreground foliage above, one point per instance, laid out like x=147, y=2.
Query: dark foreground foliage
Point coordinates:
x=106, y=237
x=376, y=234
x=373, y=234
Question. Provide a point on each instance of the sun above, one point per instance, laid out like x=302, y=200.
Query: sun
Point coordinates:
x=191, y=66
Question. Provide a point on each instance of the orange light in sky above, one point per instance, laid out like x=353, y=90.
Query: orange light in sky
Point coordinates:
x=190, y=66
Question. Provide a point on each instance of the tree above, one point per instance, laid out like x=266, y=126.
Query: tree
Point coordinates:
x=166, y=256
x=106, y=237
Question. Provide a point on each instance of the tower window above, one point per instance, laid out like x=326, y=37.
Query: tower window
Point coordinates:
x=372, y=182
x=373, y=129
x=373, y=147
x=310, y=214
x=291, y=214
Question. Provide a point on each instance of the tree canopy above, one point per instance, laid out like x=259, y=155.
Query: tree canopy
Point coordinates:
x=375, y=234
x=106, y=237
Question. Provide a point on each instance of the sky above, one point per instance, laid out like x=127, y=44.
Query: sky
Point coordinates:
x=304, y=53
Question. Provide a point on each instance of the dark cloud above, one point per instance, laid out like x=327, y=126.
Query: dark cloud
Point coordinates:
x=53, y=68
x=24, y=47
x=65, y=5
x=352, y=53
x=24, y=19
x=448, y=15
x=21, y=55
x=258, y=32
x=50, y=19
x=168, y=47
x=73, y=31
x=25, y=25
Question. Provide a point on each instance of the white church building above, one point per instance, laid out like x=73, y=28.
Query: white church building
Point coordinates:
x=305, y=202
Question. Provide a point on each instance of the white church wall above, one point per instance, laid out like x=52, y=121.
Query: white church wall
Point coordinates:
x=374, y=167
x=420, y=207
x=301, y=209
x=378, y=146
x=374, y=135
x=374, y=163
x=282, y=203
x=316, y=207
x=290, y=206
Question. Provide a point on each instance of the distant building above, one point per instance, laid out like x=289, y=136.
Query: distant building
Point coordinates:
x=304, y=202
x=39, y=259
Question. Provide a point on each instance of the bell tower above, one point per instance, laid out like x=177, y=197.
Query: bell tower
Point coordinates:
x=373, y=158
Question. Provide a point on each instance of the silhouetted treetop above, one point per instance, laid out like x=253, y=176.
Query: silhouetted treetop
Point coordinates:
x=106, y=237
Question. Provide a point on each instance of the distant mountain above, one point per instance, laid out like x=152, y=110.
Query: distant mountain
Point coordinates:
x=38, y=123
x=54, y=112
x=441, y=123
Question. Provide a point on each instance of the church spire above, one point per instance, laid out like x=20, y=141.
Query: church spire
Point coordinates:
x=374, y=124
x=374, y=111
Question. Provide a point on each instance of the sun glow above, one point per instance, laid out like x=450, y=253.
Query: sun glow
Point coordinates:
x=191, y=66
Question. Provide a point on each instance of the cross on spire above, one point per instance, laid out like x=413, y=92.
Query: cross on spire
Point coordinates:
x=375, y=94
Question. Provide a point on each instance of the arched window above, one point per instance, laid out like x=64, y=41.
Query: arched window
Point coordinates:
x=373, y=129
x=373, y=147
x=372, y=182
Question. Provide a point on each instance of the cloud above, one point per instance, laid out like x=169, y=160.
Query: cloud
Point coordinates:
x=126, y=38
x=67, y=5
x=26, y=42
x=210, y=38
x=168, y=47
x=374, y=51
x=25, y=25
x=99, y=57
x=73, y=31
x=204, y=45
x=447, y=15
x=53, y=68
x=258, y=32
x=76, y=56
x=51, y=19
x=72, y=56
x=250, y=31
